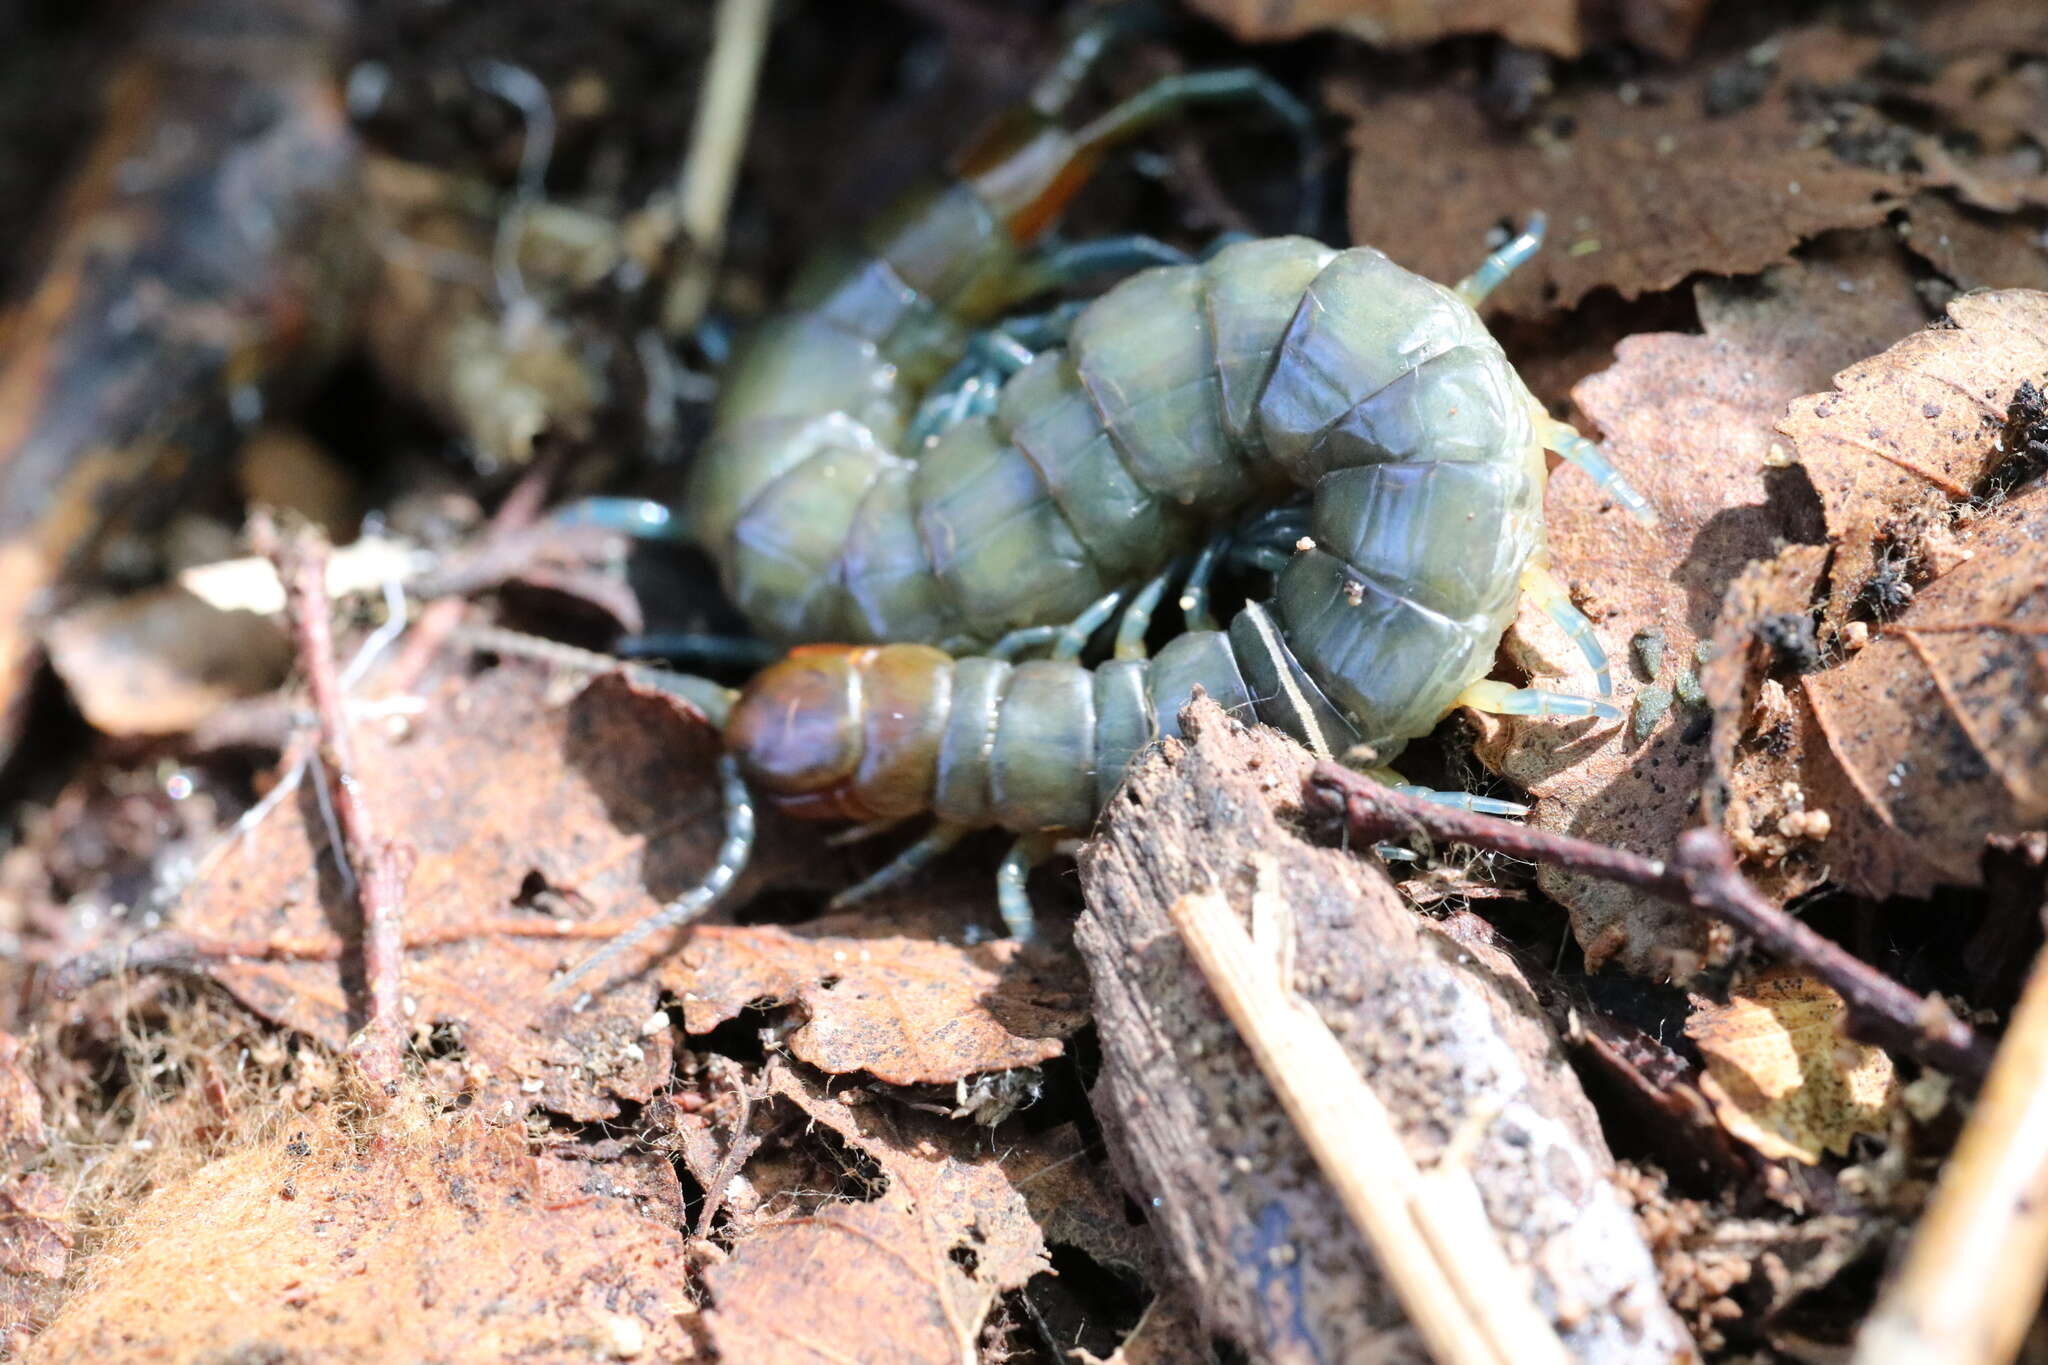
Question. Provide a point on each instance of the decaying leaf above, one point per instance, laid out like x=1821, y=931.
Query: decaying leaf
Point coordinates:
x=160, y=662
x=909, y=1274
x=1641, y=187
x=905, y=1011
x=446, y=1240
x=1782, y=1075
x=1895, y=763
x=1907, y=436
x=527, y=813
x=1976, y=250
x=35, y=1240
x=1688, y=419
x=1564, y=27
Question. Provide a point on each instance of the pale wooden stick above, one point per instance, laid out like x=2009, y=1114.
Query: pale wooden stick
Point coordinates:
x=1431, y=1238
x=1972, y=1279
x=724, y=113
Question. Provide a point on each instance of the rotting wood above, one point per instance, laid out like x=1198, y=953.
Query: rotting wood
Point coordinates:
x=1447, y=1034
x=1430, y=1233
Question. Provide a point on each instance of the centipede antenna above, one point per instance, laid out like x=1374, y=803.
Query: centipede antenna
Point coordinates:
x=524, y=91
x=733, y=853
x=640, y=518
x=1501, y=699
x=1587, y=455
x=712, y=700
x=920, y=855
x=737, y=651
x=1137, y=618
x=1503, y=262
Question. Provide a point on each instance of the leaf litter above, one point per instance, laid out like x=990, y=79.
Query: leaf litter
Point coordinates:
x=874, y=1048
x=543, y=823
x=1689, y=419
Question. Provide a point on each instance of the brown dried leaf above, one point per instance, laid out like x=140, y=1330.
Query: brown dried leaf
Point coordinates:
x=1563, y=27
x=908, y=1275
x=1908, y=434
x=1688, y=419
x=528, y=814
x=905, y=1011
x=160, y=662
x=1782, y=1076
x=1641, y=192
x=1974, y=250
x=35, y=1240
x=446, y=1242
x=1937, y=725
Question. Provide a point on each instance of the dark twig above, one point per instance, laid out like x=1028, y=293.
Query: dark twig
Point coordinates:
x=1703, y=876
x=380, y=865
x=737, y=1151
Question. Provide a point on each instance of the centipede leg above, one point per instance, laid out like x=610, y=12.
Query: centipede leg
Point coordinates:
x=1137, y=618
x=1194, y=594
x=1074, y=262
x=1503, y=262
x=1587, y=455
x=1074, y=636
x=1013, y=898
x=1542, y=587
x=640, y=518
x=1168, y=96
x=907, y=864
x=1502, y=699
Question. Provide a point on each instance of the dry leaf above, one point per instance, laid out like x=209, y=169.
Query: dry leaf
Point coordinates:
x=1563, y=27
x=1974, y=250
x=1642, y=190
x=35, y=1240
x=446, y=1242
x=909, y=1275
x=1908, y=435
x=1782, y=1076
x=527, y=814
x=162, y=661
x=1688, y=420
x=905, y=1011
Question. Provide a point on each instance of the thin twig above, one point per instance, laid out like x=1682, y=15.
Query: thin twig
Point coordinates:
x=737, y=1151
x=172, y=950
x=1432, y=1241
x=381, y=865
x=1971, y=1282
x=1702, y=876
x=725, y=112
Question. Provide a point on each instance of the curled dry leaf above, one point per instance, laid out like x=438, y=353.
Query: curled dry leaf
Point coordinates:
x=909, y=1274
x=162, y=661
x=529, y=814
x=1563, y=27
x=1782, y=1076
x=1908, y=436
x=1688, y=419
x=1642, y=191
x=449, y=1241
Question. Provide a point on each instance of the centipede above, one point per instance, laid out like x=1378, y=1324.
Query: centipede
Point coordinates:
x=936, y=501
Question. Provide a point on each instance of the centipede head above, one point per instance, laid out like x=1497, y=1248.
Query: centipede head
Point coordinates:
x=796, y=731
